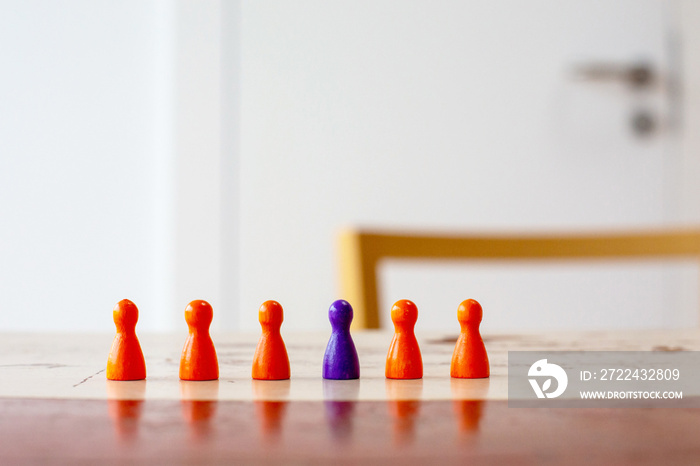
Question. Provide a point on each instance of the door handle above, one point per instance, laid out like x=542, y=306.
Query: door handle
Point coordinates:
x=637, y=75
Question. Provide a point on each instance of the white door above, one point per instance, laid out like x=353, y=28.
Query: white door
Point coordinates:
x=502, y=115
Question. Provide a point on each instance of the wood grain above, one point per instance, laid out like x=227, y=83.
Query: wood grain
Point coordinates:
x=390, y=432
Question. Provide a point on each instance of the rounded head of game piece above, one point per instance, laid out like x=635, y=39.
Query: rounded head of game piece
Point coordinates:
x=404, y=312
x=125, y=314
x=470, y=312
x=271, y=312
x=199, y=314
x=340, y=314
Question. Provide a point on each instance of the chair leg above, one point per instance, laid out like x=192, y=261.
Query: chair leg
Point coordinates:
x=358, y=281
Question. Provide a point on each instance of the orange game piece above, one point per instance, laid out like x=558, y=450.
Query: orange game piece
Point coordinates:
x=271, y=361
x=198, y=360
x=469, y=360
x=125, y=360
x=404, y=360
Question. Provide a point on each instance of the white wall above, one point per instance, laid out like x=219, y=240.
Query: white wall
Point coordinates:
x=76, y=170
x=171, y=150
x=459, y=116
x=111, y=167
x=198, y=173
x=688, y=19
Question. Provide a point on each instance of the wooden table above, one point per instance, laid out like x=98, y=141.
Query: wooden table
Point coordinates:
x=56, y=406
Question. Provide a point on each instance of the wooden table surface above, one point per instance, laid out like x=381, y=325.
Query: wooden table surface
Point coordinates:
x=57, y=407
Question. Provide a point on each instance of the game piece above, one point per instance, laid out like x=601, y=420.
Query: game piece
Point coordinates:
x=340, y=361
x=198, y=360
x=404, y=360
x=271, y=361
x=125, y=360
x=469, y=360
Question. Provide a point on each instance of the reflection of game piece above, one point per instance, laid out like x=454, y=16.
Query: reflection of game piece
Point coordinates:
x=125, y=405
x=271, y=361
x=469, y=360
x=404, y=360
x=405, y=414
x=270, y=400
x=340, y=418
x=404, y=402
x=125, y=360
x=271, y=415
x=198, y=360
x=199, y=414
x=469, y=414
x=126, y=415
x=340, y=361
x=340, y=398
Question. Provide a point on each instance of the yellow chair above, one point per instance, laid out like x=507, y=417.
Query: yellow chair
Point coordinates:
x=361, y=250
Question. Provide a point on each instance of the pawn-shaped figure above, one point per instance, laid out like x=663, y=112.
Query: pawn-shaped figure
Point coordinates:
x=125, y=360
x=469, y=360
x=198, y=360
x=404, y=360
x=271, y=361
x=340, y=361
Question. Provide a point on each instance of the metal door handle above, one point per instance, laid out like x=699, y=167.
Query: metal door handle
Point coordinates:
x=636, y=75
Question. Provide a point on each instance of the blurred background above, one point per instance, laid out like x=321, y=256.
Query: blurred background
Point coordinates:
x=165, y=151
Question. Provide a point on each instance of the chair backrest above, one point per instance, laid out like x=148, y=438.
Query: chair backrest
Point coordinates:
x=361, y=250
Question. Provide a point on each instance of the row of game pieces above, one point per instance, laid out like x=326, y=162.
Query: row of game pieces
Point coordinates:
x=271, y=362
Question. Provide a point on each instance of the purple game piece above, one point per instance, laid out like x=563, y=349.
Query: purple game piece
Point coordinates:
x=340, y=361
